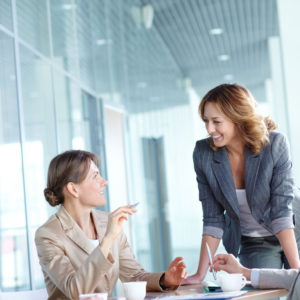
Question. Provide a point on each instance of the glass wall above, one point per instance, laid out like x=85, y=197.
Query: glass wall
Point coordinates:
x=67, y=65
x=14, y=263
x=45, y=109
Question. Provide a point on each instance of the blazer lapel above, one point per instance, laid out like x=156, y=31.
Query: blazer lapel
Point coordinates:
x=73, y=231
x=100, y=221
x=222, y=170
x=252, y=163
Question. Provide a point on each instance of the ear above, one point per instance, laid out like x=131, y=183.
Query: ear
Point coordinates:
x=72, y=189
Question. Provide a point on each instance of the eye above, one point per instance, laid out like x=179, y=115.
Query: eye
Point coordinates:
x=205, y=121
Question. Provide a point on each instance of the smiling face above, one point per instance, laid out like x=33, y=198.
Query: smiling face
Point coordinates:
x=221, y=129
x=91, y=189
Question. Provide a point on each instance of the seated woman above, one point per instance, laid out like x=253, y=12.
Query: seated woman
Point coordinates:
x=82, y=250
x=262, y=278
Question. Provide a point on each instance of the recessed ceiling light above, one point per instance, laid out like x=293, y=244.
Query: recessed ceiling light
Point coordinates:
x=102, y=42
x=216, y=31
x=68, y=6
x=228, y=77
x=223, y=57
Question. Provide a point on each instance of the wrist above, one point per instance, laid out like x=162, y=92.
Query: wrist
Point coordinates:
x=246, y=272
x=199, y=276
x=105, y=244
x=162, y=282
x=108, y=239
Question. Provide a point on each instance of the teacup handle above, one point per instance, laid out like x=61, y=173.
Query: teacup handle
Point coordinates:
x=244, y=281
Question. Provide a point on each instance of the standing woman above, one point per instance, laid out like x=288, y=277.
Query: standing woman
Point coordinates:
x=82, y=250
x=245, y=183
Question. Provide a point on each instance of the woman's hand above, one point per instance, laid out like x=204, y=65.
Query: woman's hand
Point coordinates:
x=228, y=263
x=175, y=273
x=193, y=279
x=114, y=226
x=116, y=219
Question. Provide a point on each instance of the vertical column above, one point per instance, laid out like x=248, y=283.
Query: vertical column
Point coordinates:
x=194, y=101
x=276, y=86
x=289, y=23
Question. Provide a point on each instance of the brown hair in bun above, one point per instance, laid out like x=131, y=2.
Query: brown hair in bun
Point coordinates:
x=69, y=166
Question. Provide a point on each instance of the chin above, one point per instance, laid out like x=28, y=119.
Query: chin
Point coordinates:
x=102, y=202
x=219, y=144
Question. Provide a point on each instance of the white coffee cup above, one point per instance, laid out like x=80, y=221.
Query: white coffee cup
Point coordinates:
x=94, y=296
x=135, y=290
x=231, y=282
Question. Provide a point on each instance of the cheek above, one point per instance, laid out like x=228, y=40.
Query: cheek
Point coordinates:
x=232, y=130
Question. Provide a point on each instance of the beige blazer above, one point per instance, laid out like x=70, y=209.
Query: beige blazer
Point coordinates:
x=72, y=266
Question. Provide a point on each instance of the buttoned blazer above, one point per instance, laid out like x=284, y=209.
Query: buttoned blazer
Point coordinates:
x=268, y=184
x=72, y=266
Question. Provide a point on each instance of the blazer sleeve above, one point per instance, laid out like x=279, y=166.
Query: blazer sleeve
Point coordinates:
x=274, y=278
x=131, y=270
x=57, y=265
x=213, y=211
x=282, y=185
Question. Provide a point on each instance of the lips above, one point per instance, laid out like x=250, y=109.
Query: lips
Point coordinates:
x=216, y=137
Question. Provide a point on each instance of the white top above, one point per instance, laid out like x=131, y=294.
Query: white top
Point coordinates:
x=95, y=243
x=249, y=226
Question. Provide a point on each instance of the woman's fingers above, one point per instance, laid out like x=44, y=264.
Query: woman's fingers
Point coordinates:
x=126, y=209
x=183, y=272
x=220, y=257
x=176, y=261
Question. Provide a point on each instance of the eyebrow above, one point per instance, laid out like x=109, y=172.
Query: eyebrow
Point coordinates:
x=94, y=172
x=213, y=117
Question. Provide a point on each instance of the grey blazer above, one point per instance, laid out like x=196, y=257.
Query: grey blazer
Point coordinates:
x=268, y=183
x=286, y=279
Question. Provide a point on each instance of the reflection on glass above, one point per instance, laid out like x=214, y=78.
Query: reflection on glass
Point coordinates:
x=79, y=118
x=32, y=20
x=6, y=14
x=40, y=141
x=14, y=273
x=63, y=35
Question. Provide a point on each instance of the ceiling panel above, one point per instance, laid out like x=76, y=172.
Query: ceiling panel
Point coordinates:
x=185, y=28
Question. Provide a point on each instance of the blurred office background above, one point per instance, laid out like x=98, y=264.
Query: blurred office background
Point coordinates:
x=123, y=79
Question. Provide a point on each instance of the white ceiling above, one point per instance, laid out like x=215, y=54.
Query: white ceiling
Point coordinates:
x=181, y=32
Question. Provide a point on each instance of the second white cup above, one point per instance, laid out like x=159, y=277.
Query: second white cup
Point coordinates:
x=135, y=290
x=232, y=282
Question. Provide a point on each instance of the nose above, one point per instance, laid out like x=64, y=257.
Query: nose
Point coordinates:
x=210, y=128
x=103, y=182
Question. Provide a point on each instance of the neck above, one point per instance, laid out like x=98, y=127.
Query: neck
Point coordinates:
x=82, y=216
x=236, y=149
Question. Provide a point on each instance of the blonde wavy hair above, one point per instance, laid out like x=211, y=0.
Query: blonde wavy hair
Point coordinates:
x=237, y=104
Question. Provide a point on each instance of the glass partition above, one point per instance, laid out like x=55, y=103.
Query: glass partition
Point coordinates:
x=13, y=233
x=64, y=40
x=6, y=14
x=39, y=142
x=32, y=20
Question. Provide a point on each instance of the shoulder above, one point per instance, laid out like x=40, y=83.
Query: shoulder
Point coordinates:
x=278, y=142
x=203, y=146
x=50, y=229
x=276, y=136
